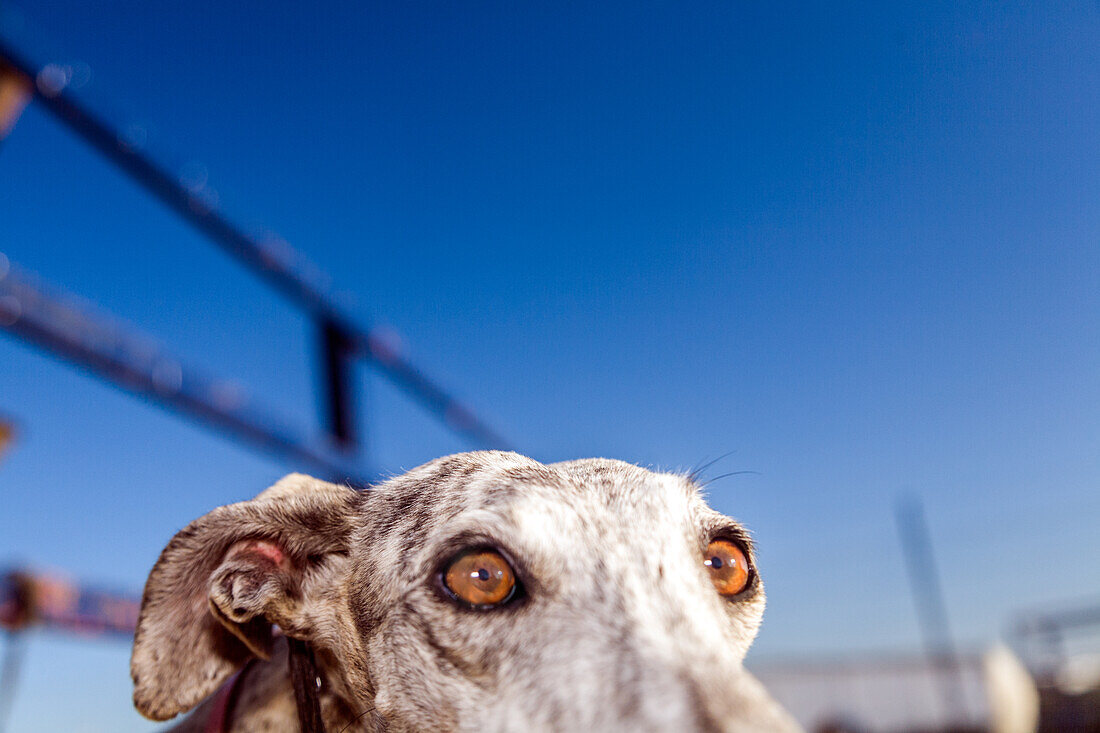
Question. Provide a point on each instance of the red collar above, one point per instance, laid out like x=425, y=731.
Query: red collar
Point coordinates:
x=225, y=700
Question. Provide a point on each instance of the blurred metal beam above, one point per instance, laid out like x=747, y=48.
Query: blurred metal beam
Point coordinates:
x=273, y=261
x=33, y=600
x=29, y=599
x=138, y=364
x=50, y=91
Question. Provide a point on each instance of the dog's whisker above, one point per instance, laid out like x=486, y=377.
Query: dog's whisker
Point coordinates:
x=697, y=473
x=355, y=720
x=720, y=476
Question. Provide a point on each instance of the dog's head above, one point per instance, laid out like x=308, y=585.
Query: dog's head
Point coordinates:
x=479, y=591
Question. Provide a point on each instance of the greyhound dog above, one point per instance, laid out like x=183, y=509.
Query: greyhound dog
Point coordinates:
x=479, y=592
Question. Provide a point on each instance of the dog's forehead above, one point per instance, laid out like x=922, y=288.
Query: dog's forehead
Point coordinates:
x=511, y=485
x=629, y=492
x=604, y=508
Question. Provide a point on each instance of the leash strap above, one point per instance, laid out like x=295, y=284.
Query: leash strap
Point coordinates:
x=307, y=685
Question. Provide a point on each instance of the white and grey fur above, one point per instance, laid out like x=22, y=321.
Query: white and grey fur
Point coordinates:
x=619, y=627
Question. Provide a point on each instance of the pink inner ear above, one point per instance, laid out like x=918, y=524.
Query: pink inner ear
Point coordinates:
x=267, y=550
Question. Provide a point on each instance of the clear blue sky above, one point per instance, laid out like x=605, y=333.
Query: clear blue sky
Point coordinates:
x=856, y=244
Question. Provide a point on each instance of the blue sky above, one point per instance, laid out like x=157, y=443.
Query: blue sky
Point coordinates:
x=854, y=244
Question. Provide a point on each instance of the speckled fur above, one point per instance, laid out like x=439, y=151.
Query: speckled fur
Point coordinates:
x=620, y=627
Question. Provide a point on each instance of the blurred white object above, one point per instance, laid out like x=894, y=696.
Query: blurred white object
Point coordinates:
x=1010, y=691
x=1079, y=674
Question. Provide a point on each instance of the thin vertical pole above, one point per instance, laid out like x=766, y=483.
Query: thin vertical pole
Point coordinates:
x=924, y=582
x=14, y=650
x=338, y=403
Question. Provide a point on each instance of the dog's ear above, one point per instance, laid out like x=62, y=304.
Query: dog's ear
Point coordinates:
x=221, y=583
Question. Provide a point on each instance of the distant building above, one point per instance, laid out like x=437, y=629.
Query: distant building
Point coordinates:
x=905, y=694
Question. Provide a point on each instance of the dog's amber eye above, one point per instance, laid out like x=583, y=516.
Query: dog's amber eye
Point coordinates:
x=728, y=566
x=480, y=578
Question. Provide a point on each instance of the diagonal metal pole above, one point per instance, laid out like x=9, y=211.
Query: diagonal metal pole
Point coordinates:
x=137, y=364
x=190, y=206
x=260, y=258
